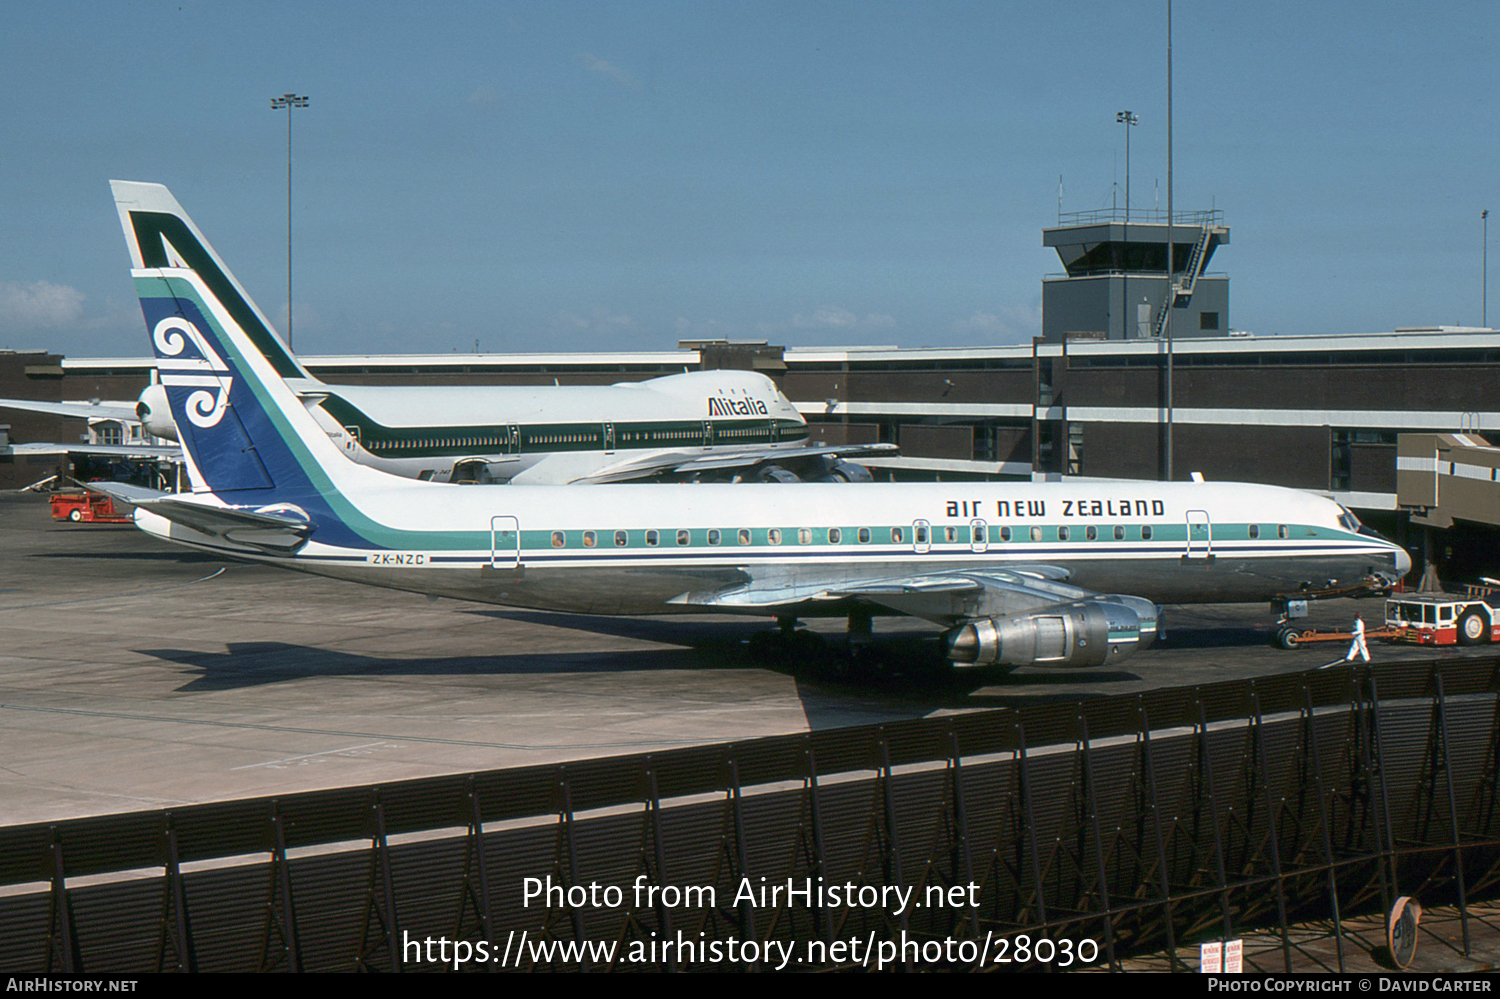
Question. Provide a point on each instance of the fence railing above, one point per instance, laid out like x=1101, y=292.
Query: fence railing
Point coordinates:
x=1145, y=216
x=1129, y=824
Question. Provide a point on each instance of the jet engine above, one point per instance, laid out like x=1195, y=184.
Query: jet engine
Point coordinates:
x=1086, y=633
x=154, y=412
x=839, y=470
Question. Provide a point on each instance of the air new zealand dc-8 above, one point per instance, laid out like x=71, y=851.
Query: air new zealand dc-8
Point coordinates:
x=1058, y=573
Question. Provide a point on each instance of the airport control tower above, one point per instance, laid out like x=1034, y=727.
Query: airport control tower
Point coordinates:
x=1116, y=280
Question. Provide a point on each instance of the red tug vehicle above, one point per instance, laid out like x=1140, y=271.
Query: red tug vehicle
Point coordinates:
x=83, y=507
x=1420, y=619
x=1442, y=619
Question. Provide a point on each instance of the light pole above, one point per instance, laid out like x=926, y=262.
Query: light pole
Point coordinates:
x=1129, y=120
x=287, y=102
x=1171, y=252
x=1484, y=296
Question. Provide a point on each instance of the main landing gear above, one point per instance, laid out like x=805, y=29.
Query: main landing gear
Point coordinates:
x=861, y=657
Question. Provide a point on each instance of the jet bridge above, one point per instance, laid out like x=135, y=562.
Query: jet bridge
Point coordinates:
x=1441, y=478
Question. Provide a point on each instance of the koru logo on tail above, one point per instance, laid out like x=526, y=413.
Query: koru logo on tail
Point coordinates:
x=207, y=373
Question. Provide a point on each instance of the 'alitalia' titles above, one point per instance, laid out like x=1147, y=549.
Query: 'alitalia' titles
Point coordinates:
x=735, y=407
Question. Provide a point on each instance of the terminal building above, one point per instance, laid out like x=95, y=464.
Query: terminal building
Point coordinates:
x=1089, y=397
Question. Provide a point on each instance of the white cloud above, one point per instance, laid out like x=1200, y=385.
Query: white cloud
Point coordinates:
x=38, y=305
x=594, y=64
x=598, y=320
x=703, y=329
x=484, y=96
x=1013, y=323
x=835, y=318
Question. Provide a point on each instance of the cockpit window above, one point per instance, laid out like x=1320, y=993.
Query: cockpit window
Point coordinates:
x=1347, y=520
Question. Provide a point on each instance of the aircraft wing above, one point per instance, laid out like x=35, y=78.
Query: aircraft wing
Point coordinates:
x=110, y=450
x=941, y=596
x=278, y=531
x=750, y=457
x=84, y=410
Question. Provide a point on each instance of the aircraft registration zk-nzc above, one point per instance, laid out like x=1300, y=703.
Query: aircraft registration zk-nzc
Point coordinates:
x=1055, y=573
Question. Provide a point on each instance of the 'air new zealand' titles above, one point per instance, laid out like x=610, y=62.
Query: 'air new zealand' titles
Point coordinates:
x=270, y=485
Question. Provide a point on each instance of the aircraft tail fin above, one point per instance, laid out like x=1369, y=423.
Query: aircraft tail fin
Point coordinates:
x=223, y=368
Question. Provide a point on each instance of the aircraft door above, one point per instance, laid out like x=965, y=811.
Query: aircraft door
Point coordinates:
x=514, y=440
x=921, y=537
x=708, y=433
x=609, y=438
x=505, y=543
x=1200, y=535
x=979, y=536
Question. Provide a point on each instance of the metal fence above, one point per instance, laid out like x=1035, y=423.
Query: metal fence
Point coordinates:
x=1123, y=824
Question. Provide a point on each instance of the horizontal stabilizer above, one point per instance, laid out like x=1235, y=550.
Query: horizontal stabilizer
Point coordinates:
x=279, y=531
x=124, y=411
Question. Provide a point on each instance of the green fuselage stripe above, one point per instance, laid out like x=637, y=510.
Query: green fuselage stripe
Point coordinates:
x=547, y=438
x=1018, y=538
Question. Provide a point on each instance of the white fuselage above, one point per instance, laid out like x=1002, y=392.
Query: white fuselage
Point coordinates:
x=637, y=549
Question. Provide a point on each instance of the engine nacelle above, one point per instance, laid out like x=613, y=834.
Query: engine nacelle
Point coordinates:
x=775, y=473
x=839, y=470
x=1087, y=633
x=155, y=413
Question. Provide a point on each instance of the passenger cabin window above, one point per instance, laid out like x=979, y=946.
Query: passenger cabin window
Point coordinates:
x=653, y=538
x=1063, y=532
x=559, y=539
x=1120, y=531
x=1036, y=532
x=684, y=537
x=1146, y=531
x=1005, y=534
x=864, y=535
x=774, y=535
x=1091, y=533
x=744, y=536
x=835, y=536
x=714, y=536
x=804, y=535
x=621, y=539
x=589, y=539
x=897, y=535
x=922, y=532
x=1281, y=531
x=950, y=534
x=1254, y=531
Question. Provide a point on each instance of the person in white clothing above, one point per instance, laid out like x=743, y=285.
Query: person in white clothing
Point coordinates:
x=1358, y=645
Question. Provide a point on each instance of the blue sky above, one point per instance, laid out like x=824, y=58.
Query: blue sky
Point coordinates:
x=581, y=176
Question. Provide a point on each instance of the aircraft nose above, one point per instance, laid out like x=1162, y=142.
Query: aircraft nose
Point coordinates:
x=1403, y=562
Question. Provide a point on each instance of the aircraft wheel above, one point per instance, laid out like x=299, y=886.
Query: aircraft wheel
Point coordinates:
x=1287, y=638
x=800, y=648
x=764, y=647
x=872, y=662
x=1473, y=629
x=75, y=515
x=806, y=645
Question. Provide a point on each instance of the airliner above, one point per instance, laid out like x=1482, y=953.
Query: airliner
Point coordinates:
x=703, y=425
x=1050, y=574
